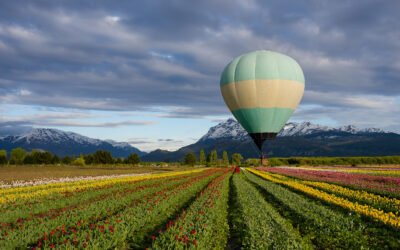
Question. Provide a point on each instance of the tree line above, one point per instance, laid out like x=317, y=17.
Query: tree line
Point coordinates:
x=20, y=156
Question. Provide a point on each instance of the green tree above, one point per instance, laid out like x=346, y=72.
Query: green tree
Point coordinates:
x=225, y=158
x=132, y=159
x=3, y=157
x=237, y=158
x=102, y=157
x=80, y=161
x=67, y=160
x=202, y=157
x=89, y=159
x=55, y=159
x=212, y=158
x=190, y=159
x=39, y=157
x=29, y=159
x=17, y=156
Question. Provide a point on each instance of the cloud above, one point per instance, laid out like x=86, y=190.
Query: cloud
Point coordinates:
x=168, y=140
x=61, y=123
x=101, y=124
x=138, y=141
x=142, y=56
x=59, y=119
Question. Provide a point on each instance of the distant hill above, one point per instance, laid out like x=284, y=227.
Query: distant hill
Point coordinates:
x=295, y=139
x=64, y=143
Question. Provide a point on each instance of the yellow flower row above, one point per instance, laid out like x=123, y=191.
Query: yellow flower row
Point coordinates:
x=359, y=195
x=31, y=193
x=355, y=194
x=387, y=218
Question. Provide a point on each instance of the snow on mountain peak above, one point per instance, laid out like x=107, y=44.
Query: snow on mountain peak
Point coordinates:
x=227, y=129
x=232, y=129
x=54, y=135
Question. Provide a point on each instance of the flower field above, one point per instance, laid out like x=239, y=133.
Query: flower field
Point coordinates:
x=207, y=208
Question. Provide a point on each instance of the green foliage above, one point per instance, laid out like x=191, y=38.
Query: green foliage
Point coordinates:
x=119, y=161
x=55, y=160
x=67, y=160
x=80, y=161
x=252, y=162
x=138, y=215
x=101, y=157
x=327, y=227
x=186, y=211
x=331, y=161
x=212, y=158
x=261, y=230
x=202, y=157
x=39, y=157
x=237, y=159
x=132, y=159
x=193, y=230
x=3, y=157
x=225, y=158
x=17, y=156
x=190, y=159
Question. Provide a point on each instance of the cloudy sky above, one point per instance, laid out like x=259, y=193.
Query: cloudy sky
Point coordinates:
x=148, y=72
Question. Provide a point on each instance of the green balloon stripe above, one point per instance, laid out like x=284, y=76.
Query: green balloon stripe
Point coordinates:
x=253, y=66
x=263, y=120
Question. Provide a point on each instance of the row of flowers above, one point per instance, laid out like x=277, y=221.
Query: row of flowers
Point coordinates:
x=17, y=216
x=43, y=191
x=31, y=231
x=326, y=226
x=379, y=184
x=378, y=201
x=258, y=224
x=203, y=224
x=388, y=218
x=395, y=172
x=130, y=226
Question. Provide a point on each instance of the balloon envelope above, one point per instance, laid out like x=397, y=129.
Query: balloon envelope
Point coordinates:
x=262, y=89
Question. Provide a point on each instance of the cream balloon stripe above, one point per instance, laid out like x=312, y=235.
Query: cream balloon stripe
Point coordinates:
x=262, y=94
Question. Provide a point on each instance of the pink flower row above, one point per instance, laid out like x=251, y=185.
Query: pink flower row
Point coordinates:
x=364, y=181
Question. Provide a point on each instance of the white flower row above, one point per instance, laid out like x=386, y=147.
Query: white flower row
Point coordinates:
x=36, y=182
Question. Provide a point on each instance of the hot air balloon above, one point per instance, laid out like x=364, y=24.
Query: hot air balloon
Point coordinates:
x=262, y=89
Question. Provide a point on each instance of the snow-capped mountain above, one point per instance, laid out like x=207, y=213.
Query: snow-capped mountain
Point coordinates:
x=227, y=129
x=232, y=129
x=53, y=136
x=295, y=139
x=64, y=143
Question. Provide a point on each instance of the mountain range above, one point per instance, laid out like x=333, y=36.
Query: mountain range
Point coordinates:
x=64, y=143
x=295, y=139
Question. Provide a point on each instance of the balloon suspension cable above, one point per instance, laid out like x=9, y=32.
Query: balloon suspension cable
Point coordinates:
x=262, y=157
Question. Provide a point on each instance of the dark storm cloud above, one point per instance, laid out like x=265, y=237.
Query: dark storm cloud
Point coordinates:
x=130, y=56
